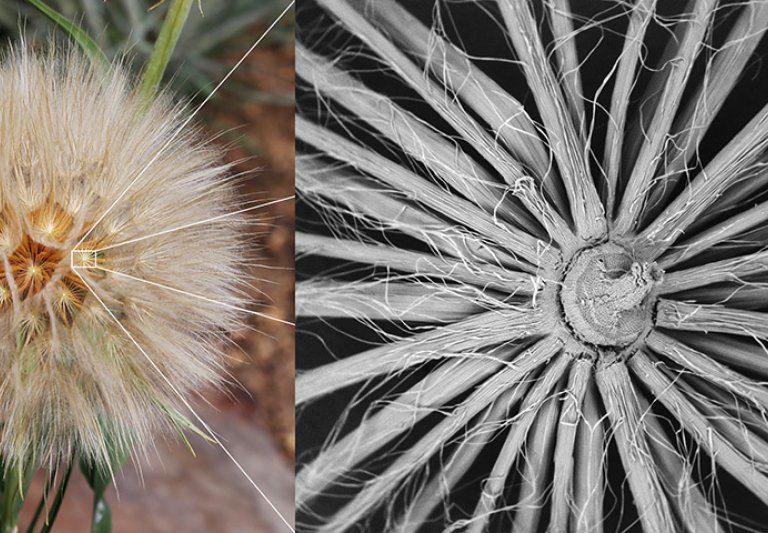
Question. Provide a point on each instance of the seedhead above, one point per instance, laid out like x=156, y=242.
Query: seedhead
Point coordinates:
x=103, y=246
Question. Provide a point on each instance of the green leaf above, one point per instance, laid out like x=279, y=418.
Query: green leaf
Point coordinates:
x=17, y=480
x=100, y=477
x=82, y=39
x=102, y=517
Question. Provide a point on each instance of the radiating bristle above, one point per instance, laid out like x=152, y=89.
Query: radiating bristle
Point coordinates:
x=535, y=265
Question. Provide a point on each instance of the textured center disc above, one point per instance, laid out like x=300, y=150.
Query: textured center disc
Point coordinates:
x=604, y=295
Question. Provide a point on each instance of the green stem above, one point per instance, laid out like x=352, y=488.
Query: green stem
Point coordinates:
x=166, y=42
x=54, y=510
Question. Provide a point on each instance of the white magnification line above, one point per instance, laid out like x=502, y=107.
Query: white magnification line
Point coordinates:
x=184, y=124
x=187, y=405
x=179, y=291
x=191, y=225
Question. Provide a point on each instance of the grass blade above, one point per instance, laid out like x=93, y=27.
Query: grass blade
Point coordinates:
x=50, y=479
x=16, y=482
x=80, y=37
x=163, y=49
x=99, y=479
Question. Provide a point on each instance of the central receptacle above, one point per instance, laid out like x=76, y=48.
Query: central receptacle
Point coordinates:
x=605, y=295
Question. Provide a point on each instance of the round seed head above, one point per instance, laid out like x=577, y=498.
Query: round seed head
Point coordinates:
x=100, y=332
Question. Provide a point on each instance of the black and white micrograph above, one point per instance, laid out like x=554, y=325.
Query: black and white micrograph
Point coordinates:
x=532, y=266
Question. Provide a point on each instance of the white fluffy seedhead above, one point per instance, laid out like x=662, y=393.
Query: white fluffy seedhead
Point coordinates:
x=72, y=140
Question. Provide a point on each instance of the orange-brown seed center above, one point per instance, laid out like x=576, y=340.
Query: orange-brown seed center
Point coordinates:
x=34, y=264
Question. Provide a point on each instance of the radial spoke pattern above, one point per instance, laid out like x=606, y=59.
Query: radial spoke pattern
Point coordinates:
x=534, y=290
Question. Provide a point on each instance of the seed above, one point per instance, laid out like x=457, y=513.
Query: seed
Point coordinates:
x=101, y=236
